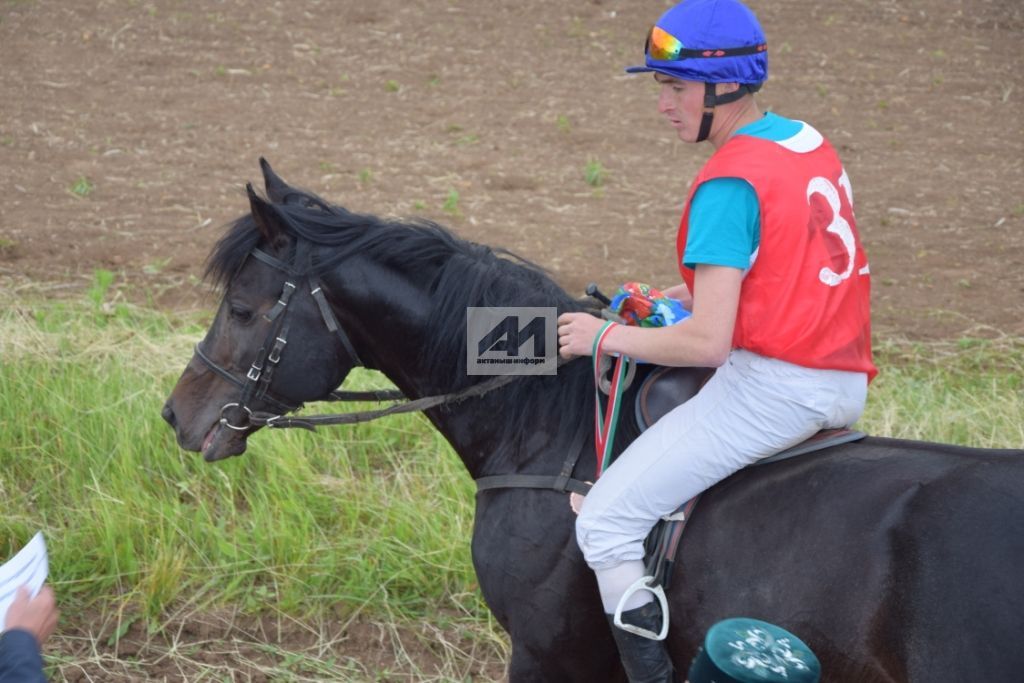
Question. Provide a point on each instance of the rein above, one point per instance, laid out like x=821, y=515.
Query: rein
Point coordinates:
x=311, y=422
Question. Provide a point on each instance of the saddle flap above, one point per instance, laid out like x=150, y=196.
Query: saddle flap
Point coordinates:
x=666, y=388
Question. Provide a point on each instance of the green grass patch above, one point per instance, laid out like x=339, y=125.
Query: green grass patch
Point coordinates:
x=374, y=518
x=82, y=187
x=451, y=203
x=967, y=391
x=595, y=173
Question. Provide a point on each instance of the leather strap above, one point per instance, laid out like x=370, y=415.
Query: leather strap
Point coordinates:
x=563, y=482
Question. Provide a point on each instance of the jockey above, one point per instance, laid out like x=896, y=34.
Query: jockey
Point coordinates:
x=778, y=287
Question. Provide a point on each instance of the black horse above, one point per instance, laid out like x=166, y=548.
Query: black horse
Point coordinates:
x=895, y=560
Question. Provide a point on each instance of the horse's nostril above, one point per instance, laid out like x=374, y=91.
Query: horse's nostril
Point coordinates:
x=168, y=414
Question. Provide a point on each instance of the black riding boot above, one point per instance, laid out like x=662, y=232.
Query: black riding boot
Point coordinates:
x=645, y=660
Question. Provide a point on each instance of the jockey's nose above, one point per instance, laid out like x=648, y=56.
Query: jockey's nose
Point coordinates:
x=665, y=101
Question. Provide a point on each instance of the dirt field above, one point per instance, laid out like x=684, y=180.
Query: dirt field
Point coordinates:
x=128, y=129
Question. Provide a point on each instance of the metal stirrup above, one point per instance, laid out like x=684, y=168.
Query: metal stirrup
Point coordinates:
x=644, y=584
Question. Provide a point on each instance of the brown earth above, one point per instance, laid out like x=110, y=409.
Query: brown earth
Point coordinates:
x=389, y=107
x=128, y=129
x=222, y=645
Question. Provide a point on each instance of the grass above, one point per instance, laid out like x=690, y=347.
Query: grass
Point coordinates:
x=128, y=514
x=451, y=203
x=595, y=173
x=82, y=187
x=968, y=391
x=371, y=520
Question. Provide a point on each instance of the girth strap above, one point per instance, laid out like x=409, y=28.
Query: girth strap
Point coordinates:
x=562, y=483
x=533, y=481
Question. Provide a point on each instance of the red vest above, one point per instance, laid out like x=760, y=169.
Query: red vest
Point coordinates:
x=806, y=297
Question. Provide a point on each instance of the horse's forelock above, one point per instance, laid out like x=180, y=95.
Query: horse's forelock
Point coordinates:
x=231, y=250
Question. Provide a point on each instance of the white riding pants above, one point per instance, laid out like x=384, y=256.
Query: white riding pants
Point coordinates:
x=751, y=408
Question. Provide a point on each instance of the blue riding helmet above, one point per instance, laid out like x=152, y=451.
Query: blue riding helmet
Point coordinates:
x=713, y=41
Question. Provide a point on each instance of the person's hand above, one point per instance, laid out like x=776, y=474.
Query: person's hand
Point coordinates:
x=576, y=332
x=36, y=615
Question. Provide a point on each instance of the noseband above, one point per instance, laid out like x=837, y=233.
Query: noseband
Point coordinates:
x=256, y=383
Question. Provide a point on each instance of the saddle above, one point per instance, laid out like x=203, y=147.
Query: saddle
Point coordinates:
x=661, y=391
x=669, y=387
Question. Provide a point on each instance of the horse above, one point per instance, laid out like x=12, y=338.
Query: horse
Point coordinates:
x=895, y=560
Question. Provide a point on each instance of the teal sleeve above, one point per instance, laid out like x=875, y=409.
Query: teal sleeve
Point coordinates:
x=724, y=225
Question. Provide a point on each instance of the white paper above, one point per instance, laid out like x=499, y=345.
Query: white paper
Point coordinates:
x=28, y=568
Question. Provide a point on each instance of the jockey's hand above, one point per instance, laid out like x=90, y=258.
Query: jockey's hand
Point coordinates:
x=576, y=332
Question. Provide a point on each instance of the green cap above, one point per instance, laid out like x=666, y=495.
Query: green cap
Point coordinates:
x=745, y=650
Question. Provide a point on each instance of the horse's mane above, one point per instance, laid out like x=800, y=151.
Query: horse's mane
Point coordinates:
x=458, y=274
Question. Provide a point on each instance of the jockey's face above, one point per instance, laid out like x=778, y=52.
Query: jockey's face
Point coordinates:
x=682, y=103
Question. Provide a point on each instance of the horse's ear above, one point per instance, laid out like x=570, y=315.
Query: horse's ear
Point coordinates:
x=266, y=218
x=277, y=189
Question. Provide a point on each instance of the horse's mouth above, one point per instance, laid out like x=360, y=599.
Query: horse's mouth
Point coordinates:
x=221, y=442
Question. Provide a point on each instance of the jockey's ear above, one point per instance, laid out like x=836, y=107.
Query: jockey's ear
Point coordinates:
x=726, y=88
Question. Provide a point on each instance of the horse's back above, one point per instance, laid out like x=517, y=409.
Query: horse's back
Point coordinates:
x=895, y=560
x=960, y=553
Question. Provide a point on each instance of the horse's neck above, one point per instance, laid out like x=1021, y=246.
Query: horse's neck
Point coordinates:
x=515, y=428
x=387, y=320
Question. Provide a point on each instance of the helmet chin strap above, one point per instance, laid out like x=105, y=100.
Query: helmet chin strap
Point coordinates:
x=711, y=100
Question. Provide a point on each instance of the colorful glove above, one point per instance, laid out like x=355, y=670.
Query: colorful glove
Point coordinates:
x=640, y=304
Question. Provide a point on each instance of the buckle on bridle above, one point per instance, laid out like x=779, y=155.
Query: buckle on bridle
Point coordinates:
x=238, y=428
x=254, y=372
x=275, y=352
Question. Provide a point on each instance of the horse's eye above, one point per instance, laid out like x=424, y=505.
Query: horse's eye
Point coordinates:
x=242, y=315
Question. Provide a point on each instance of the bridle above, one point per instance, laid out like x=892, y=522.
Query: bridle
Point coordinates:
x=255, y=385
